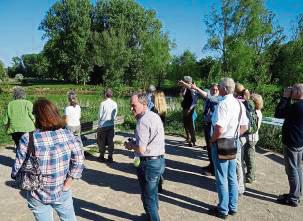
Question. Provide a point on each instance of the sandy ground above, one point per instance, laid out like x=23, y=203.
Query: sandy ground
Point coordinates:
x=111, y=191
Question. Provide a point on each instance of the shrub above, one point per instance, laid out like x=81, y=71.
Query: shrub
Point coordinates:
x=19, y=77
x=270, y=138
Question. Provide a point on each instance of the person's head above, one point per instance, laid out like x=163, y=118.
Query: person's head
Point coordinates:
x=19, y=93
x=160, y=102
x=226, y=86
x=239, y=89
x=214, y=90
x=72, y=98
x=258, y=101
x=151, y=89
x=246, y=94
x=108, y=93
x=188, y=79
x=138, y=103
x=297, y=92
x=47, y=115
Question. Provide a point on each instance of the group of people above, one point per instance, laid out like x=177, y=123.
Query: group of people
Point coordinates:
x=230, y=113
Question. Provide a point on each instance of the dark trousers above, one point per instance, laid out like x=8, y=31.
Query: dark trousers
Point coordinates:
x=189, y=125
x=149, y=173
x=207, y=129
x=105, y=136
x=293, y=168
x=16, y=137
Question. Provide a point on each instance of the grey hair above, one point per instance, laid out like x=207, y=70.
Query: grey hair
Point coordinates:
x=151, y=88
x=188, y=79
x=228, y=84
x=298, y=89
x=72, y=97
x=142, y=97
x=214, y=85
x=19, y=93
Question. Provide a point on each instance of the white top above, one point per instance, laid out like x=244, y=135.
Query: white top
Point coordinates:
x=255, y=137
x=73, y=115
x=107, y=113
x=226, y=115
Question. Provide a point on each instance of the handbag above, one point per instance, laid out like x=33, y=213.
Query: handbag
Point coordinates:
x=227, y=147
x=29, y=176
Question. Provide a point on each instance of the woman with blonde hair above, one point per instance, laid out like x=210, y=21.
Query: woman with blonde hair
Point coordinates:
x=249, y=146
x=160, y=104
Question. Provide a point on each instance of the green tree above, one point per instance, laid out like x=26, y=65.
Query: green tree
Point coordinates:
x=156, y=59
x=298, y=29
x=142, y=31
x=2, y=71
x=35, y=65
x=242, y=32
x=208, y=70
x=112, y=54
x=185, y=64
x=67, y=26
x=16, y=68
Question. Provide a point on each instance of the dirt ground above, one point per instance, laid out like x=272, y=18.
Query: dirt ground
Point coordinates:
x=111, y=191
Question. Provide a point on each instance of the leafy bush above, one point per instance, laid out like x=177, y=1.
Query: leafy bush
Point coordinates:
x=19, y=77
x=270, y=138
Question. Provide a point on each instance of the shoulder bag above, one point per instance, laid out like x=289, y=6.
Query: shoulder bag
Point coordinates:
x=29, y=176
x=227, y=147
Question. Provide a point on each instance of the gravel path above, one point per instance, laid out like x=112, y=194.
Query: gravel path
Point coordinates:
x=111, y=192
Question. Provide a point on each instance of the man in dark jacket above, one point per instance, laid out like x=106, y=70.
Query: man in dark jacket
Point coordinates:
x=290, y=107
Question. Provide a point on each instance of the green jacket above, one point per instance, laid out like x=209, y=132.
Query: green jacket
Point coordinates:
x=19, y=116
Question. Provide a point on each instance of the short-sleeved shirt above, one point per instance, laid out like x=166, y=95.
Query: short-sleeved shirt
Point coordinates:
x=107, y=113
x=73, y=115
x=226, y=115
x=19, y=116
x=149, y=133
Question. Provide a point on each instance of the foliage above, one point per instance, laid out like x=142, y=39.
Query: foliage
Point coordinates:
x=270, y=138
x=2, y=71
x=19, y=77
x=185, y=64
x=288, y=64
x=241, y=33
x=67, y=26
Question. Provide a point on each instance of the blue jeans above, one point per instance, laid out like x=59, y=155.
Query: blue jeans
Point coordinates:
x=226, y=182
x=44, y=212
x=149, y=173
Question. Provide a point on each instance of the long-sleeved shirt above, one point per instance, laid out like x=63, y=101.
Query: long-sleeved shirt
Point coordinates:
x=107, y=113
x=19, y=117
x=59, y=155
x=292, y=129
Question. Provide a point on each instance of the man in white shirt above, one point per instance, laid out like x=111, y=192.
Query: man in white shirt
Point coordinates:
x=106, y=130
x=229, y=121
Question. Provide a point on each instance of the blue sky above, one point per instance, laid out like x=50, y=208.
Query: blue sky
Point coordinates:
x=182, y=19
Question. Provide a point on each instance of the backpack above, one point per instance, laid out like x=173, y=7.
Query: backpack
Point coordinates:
x=252, y=117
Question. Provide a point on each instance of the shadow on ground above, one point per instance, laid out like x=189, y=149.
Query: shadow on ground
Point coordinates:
x=91, y=211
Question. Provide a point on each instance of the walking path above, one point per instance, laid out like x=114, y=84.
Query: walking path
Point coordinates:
x=111, y=191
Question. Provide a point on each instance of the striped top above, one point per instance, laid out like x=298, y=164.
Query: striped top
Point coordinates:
x=59, y=154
